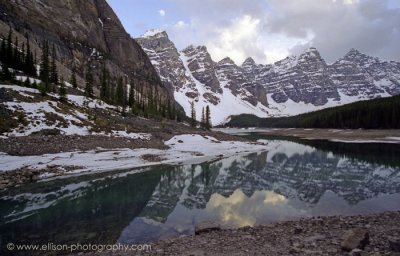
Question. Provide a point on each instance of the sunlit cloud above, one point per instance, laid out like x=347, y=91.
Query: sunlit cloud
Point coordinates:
x=270, y=30
x=161, y=12
x=238, y=210
x=274, y=29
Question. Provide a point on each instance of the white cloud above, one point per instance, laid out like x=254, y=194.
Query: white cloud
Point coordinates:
x=161, y=12
x=237, y=40
x=180, y=24
x=337, y=26
x=350, y=1
x=269, y=30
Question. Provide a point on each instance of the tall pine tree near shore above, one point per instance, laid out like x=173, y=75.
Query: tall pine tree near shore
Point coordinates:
x=132, y=97
x=208, y=124
x=29, y=63
x=89, y=81
x=192, y=115
x=203, y=119
x=119, y=94
x=73, y=78
x=44, y=73
x=53, y=67
x=104, y=85
x=16, y=56
x=9, y=49
x=62, y=92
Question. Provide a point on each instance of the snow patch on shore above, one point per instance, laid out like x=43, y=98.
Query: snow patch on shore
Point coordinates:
x=389, y=140
x=188, y=148
x=131, y=135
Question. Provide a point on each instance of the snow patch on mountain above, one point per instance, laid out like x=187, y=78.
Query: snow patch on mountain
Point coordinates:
x=152, y=32
x=294, y=85
x=228, y=103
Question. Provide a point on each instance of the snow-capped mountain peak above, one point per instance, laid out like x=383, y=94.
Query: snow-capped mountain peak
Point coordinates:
x=226, y=61
x=193, y=76
x=154, y=33
x=249, y=62
x=294, y=85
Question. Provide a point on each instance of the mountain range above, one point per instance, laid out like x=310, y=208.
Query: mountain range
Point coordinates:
x=89, y=33
x=294, y=85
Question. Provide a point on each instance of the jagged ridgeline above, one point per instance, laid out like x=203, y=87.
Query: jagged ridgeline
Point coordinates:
x=294, y=85
x=87, y=40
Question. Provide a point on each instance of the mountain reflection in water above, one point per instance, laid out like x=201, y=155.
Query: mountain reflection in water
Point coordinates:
x=289, y=181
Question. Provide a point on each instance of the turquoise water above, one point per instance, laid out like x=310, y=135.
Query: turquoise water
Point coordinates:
x=293, y=179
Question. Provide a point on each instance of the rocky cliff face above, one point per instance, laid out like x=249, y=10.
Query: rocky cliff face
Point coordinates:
x=82, y=31
x=241, y=84
x=194, y=77
x=294, y=85
x=357, y=73
x=301, y=79
x=202, y=67
x=166, y=59
x=308, y=83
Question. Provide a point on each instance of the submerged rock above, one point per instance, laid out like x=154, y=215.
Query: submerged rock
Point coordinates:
x=394, y=244
x=355, y=238
x=205, y=227
x=356, y=252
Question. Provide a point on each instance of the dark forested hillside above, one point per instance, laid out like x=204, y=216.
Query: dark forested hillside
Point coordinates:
x=382, y=113
x=82, y=35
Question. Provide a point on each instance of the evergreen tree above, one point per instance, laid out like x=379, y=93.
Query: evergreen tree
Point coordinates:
x=27, y=82
x=104, y=85
x=9, y=49
x=131, y=99
x=173, y=115
x=3, y=50
x=53, y=67
x=89, y=81
x=136, y=99
x=111, y=90
x=144, y=103
x=119, y=94
x=42, y=89
x=62, y=92
x=381, y=113
x=73, y=78
x=45, y=66
x=15, y=56
x=169, y=110
x=125, y=95
x=193, y=115
x=208, y=124
x=6, y=74
x=179, y=116
x=203, y=119
x=29, y=64
x=150, y=101
x=22, y=58
x=163, y=109
x=35, y=59
x=34, y=84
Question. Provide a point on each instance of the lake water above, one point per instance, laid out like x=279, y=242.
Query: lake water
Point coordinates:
x=293, y=179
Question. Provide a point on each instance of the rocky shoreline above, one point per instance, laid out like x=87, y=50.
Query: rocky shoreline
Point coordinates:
x=338, y=135
x=40, y=145
x=374, y=234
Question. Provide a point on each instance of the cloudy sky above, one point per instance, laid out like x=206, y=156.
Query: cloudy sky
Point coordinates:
x=270, y=30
